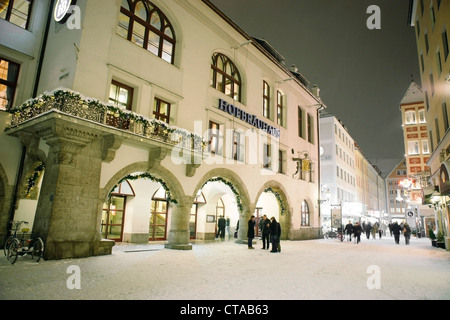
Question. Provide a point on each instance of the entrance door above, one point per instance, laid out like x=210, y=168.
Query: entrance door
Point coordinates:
x=193, y=222
x=158, y=219
x=113, y=215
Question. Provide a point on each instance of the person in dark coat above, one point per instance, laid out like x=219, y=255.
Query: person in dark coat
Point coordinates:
x=357, y=230
x=221, y=224
x=349, y=230
x=368, y=228
x=406, y=233
x=251, y=232
x=274, y=228
x=265, y=230
x=396, y=231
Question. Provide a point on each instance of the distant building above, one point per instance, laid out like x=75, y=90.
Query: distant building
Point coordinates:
x=348, y=180
x=417, y=154
x=395, y=201
x=431, y=20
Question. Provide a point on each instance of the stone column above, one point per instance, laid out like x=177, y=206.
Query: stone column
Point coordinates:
x=66, y=215
x=244, y=217
x=179, y=227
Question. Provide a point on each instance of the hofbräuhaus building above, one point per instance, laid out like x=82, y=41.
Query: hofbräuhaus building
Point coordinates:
x=150, y=121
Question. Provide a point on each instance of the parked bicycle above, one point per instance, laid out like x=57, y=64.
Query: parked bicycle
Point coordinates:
x=13, y=234
x=25, y=245
x=331, y=234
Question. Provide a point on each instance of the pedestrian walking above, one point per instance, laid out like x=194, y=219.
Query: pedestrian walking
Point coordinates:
x=368, y=228
x=274, y=228
x=390, y=228
x=406, y=233
x=374, y=230
x=357, y=230
x=396, y=231
x=265, y=232
x=349, y=230
x=251, y=232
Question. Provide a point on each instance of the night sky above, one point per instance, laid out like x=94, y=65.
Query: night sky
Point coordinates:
x=362, y=73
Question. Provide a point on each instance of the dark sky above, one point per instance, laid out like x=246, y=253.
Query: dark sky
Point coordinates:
x=362, y=74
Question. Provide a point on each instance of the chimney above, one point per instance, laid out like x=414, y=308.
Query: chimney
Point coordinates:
x=316, y=91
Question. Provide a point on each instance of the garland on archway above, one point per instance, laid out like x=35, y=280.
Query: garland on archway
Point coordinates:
x=31, y=182
x=233, y=189
x=147, y=175
x=277, y=195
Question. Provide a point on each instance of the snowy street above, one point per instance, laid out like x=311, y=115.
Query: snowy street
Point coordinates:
x=224, y=270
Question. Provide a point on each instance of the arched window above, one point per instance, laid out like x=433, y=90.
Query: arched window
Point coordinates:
x=142, y=23
x=225, y=76
x=305, y=214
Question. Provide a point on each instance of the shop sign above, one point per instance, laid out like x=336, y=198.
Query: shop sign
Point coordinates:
x=249, y=118
x=62, y=10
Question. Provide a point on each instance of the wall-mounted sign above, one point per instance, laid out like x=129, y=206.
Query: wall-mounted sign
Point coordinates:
x=249, y=118
x=62, y=10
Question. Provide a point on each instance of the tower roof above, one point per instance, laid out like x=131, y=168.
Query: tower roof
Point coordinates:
x=413, y=94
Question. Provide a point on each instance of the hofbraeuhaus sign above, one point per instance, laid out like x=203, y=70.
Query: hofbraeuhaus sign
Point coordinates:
x=249, y=118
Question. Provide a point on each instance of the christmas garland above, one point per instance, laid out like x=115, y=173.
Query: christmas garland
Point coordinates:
x=233, y=189
x=277, y=195
x=146, y=175
x=91, y=109
x=31, y=182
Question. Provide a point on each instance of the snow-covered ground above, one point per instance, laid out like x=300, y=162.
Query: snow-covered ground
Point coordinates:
x=224, y=270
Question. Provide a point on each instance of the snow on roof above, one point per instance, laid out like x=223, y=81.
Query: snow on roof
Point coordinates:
x=413, y=94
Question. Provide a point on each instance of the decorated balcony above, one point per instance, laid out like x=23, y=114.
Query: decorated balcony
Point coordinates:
x=74, y=104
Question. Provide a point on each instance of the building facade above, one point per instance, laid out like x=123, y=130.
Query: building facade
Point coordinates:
x=417, y=154
x=350, y=185
x=431, y=20
x=152, y=120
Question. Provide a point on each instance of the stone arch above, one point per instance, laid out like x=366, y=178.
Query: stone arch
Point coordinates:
x=178, y=237
x=247, y=207
x=285, y=219
x=158, y=171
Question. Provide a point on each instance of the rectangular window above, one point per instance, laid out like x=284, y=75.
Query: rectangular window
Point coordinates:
x=281, y=156
x=432, y=84
x=9, y=74
x=425, y=148
x=422, y=118
x=267, y=153
x=266, y=100
x=300, y=123
x=214, y=138
x=121, y=95
x=433, y=16
x=161, y=110
x=413, y=147
x=445, y=44
x=16, y=11
x=438, y=133
x=310, y=129
x=445, y=116
x=280, y=108
x=427, y=44
x=410, y=117
x=238, y=146
x=438, y=62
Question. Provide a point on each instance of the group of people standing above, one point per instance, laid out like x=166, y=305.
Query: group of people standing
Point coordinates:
x=394, y=228
x=270, y=233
